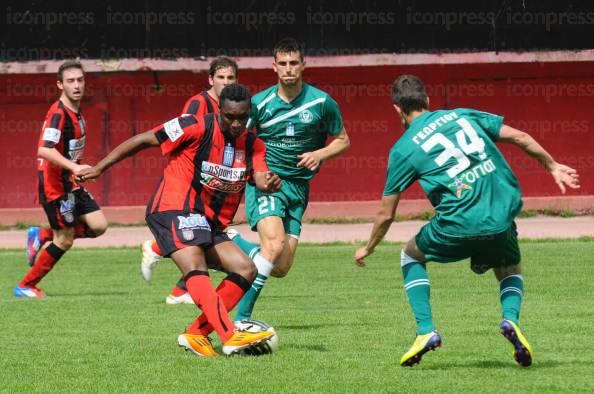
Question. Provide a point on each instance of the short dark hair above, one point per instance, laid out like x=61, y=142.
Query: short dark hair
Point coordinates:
x=408, y=92
x=288, y=45
x=235, y=92
x=223, y=62
x=66, y=65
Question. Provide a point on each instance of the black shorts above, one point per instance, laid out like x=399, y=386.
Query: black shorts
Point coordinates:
x=175, y=230
x=63, y=212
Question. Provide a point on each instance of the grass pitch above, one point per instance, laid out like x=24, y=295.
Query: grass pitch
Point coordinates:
x=341, y=328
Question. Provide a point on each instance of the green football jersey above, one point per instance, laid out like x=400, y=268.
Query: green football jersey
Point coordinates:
x=290, y=129
x=452, y=154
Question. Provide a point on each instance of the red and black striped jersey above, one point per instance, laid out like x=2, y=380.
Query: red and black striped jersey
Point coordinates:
x=63, y=130
x=200, y=105
x=207, y=171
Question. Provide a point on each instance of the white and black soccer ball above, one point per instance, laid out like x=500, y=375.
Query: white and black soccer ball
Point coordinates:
x=268, y=346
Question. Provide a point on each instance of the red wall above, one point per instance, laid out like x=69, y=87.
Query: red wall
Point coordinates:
x=552, y=101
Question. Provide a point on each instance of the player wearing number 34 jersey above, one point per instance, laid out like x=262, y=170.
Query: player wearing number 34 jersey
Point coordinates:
x=476, y=197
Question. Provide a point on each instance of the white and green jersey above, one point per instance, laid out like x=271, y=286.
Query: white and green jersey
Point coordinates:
x=452, y=154
x=290, y=129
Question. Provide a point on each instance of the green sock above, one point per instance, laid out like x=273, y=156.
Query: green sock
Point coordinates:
x=418, y=289
x=249, y=248
x=511, y=290
x=246, y=305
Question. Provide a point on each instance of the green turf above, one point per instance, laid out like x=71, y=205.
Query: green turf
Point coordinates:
x=341, y=328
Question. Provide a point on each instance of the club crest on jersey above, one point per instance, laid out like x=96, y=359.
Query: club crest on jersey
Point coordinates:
x=459, y=186
x=290, y=130
x=306, y=116
x=228, y=156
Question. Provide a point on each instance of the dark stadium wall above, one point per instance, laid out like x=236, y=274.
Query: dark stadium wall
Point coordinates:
x=37, y=30
x=552, y=101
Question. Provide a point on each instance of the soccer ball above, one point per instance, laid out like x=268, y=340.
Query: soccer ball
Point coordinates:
x=268, y=346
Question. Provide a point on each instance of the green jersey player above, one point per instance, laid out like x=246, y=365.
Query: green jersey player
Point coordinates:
x=476, y=197
x=294, y=119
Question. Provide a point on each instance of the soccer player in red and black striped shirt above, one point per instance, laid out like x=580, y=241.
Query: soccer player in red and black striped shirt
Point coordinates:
x=223, y=71
x=210, y=160
x=71, y=210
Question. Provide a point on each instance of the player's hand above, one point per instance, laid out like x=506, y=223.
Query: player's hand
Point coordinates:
x=87, y=174
x=309, y=160
x=79, y=167
x=273, y=182
x=360, y=254
x=565, y=176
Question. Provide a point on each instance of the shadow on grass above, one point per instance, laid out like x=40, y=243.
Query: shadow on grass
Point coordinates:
x=313, y=326
x=309, y=348
x=288, y=296
x=92, y=294
x=500, y=364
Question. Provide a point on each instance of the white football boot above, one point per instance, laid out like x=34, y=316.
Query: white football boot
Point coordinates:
x=149, y=260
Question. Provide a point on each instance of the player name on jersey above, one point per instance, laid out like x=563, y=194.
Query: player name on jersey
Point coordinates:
x=431, y=127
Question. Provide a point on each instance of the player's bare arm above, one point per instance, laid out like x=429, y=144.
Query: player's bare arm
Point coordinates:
x=312, y=160
x=381, y=225
x=126, y=149
x=53, y=156
x=268, y=182
x=562, y=174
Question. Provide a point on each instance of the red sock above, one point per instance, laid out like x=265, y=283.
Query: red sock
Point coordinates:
x=231, y=290
x=156, y=248
x=207, y=299
x=46, y=234
x=177, y=290
x=81, y=230
x=44, y=264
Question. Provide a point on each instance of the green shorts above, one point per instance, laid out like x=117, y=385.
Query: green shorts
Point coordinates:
x=289, y=204
x=485, y=251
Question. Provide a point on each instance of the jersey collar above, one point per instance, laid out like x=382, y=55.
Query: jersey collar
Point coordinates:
x=296, y=99
x=420, y=118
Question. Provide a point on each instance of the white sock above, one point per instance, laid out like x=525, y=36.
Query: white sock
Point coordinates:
x=264, y=266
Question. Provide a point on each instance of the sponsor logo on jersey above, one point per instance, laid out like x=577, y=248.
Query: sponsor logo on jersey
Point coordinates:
x=223, y=172
x=306, y=116
x=51, y=134
x=227, y=187
x=173, y=129
x=76, y=148
x=478, y=171
x=289, y=142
